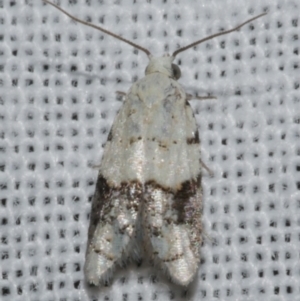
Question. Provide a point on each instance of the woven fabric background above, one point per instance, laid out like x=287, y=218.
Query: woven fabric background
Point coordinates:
x=57, y=104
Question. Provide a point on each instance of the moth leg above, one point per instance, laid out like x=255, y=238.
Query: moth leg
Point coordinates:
x=121, y=94
x=211, y=173
x=190, y=97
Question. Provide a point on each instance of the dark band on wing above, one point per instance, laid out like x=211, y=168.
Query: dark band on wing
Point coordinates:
x=182, y=198
x=104, y=193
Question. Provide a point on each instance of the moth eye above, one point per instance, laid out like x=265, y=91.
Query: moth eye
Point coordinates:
x=176, y=71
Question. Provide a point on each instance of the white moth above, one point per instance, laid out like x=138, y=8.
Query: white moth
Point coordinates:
x=148, y=197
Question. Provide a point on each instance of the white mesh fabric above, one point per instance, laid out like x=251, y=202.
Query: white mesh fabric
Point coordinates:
x=57, y=103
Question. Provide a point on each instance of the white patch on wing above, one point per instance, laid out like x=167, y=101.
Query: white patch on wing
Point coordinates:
x=149, y=136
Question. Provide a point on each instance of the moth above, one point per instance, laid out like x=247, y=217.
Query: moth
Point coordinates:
x=148, y=197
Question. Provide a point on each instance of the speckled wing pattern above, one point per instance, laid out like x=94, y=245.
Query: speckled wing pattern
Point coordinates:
x=148, y=197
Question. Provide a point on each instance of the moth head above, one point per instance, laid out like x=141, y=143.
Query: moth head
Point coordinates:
x=163, y=65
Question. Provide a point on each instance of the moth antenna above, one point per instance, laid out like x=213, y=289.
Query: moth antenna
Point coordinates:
x=215, y=35
x=100, y=29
